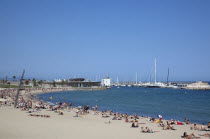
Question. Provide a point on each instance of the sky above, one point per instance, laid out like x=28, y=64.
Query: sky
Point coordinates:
x=98, y=38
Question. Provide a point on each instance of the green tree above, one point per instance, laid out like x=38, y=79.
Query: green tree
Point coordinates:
x=8, y=84
x=34, y=82
x=62, y=82
x=40, y=82
x=54, y=84
x=14, y=77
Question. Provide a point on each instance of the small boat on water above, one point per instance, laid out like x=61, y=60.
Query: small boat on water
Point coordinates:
x=156, y=85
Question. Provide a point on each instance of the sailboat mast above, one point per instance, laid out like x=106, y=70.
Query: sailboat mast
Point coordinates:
x=155, y=70
x=136, y=77
x=168, y=77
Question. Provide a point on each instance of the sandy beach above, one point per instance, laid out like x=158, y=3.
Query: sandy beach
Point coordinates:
x=17, y=124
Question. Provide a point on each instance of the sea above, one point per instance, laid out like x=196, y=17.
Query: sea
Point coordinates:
x=170, y=103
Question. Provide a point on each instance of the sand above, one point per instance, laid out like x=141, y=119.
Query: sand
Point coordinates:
x=17, y=124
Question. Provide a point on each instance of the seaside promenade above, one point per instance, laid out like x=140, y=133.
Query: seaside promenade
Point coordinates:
x=45, y=121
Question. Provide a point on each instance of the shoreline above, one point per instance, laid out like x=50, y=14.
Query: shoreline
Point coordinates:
x=128, y=113
x=119, y=123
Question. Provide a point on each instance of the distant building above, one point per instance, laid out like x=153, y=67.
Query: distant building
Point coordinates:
x=74, y=82
x=77, y=79
x=198, y=86
x=57, y=80
x=106, y=82
x=80, y=82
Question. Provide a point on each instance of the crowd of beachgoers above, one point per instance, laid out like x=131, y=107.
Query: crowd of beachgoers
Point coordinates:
x=28, y=104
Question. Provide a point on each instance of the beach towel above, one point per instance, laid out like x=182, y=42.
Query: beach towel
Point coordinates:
x=156, y=121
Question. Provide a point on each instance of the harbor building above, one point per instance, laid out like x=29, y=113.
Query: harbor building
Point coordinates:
x=106, y=82
x=80, y=82
x=198, y=86
x=74, y=82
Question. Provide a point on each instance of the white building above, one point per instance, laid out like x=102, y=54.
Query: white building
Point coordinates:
x=57, y=80
x=199, y=85
x=106, y=82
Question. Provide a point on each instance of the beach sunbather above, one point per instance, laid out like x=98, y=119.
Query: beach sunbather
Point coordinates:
x=205, y=135
x=191, y=136
x=134, y=124
x=168, y=126
x=195, y=127
x=146, y=130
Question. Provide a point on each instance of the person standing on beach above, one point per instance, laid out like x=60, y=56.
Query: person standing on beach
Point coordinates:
x=70, y=105
x=77, y=113
x=160, y=117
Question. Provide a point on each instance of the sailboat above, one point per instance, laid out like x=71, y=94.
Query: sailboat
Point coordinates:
x=118, y=85
x=169, y=85
x=136, y=84
x=155, y=84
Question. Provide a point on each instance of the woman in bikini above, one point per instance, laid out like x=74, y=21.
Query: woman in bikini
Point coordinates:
x=191, y=136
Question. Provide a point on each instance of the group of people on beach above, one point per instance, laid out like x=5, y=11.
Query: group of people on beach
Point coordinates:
x=28, y=104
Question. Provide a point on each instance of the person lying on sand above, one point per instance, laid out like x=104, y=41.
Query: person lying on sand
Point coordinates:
x=152, y=119
x=126, y=120
x=205, y=135
x=105, y=116
x=161, y=125
x=168, y=126
x=95, y=113
x=191, y=136
x=195, y=127
x=146, y=130
x=37, y=115
x=135, y=116
x=203, y=127
x=114, y=118
x=208, y=125
x=135, y=124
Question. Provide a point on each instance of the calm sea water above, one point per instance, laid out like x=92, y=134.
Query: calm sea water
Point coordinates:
x=170, y=103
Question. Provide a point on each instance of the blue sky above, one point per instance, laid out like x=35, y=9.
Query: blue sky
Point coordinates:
x=72, y=38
